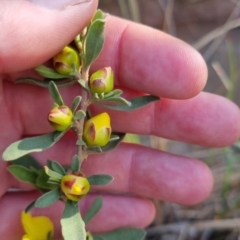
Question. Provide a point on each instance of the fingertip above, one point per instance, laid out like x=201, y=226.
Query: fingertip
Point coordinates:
x=195, y=74
x=148, y=60
x=201, y=185
x=230, y=116
x=36, y=33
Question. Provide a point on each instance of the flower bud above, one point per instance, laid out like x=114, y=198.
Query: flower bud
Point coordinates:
x=97, y=130
x=60, y=118
x=74, y=187
x=63, y=62
x=102, y=81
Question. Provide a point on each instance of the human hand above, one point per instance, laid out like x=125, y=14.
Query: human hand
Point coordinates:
x=144, y=60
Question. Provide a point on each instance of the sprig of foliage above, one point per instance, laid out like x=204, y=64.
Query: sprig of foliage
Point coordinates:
x=93, y=134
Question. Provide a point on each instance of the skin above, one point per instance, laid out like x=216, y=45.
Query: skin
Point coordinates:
x=144, y=60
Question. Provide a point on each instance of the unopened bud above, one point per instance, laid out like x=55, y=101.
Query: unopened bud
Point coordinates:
x=65, y=60
x=74, y=187
x=97, y=130
x=60, y=118
x=102, y=81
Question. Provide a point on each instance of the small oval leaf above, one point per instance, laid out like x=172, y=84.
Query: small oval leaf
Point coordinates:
x=76, y=103
x=28, y=162
x=29, y=145
x=84, y=84
x=100, y=179
x=79, y=114
x=114, y=93
x=53, y=89
x=73, y=227
x=99, y=15
x=49, y=73
x=94, y=149
x=52, y=174
x=112, y=144
x=113, y=101
x=23, y=174
x=57, y=167
x=94, y=41
x=80, y=142
x=75, y=166
x=43, y=181
x=93, y=210
x=48, y=198
x=136, y=103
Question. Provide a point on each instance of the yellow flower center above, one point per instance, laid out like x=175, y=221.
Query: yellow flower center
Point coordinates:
x=76, y=190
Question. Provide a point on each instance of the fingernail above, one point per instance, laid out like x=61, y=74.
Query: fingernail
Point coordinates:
x=57, y=4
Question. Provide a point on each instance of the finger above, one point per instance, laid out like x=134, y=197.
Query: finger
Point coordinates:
x=206, y=119
x=151, y=61
x=36, y=33
x=116, y=212
x=143, y=59
x=142, y=171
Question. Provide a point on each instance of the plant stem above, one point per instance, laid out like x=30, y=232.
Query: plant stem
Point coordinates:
x=80, y=123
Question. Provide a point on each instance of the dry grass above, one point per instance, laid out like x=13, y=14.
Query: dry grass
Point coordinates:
x=211, y=26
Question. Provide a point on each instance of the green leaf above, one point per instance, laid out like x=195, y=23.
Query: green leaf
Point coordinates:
x=55, y=93
x=100, y=179
x=29, y=145
x=80, y=142
x=136, y=103
x=113, y=101
x=79, y=114
x=23, y=174
x=99, y=15
x=84, y=84
x=65, y=82
x=114, y=138
x=114, y=93
x=94, y=149
x=123, y=233
x=28, y=162
x=43, y=181
x=57, y=167
x=94, y=41
x=93, y=210
x=49, y=73
x=58, y=135
x=48, y=198
x=32, y=81
x=112, y=144
x=73, y=227
x=76, y=103
x=52, y=174
x=75, y=166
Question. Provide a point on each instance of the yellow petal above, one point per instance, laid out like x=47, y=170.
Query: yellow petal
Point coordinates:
x=36, y=228
x=25, y=237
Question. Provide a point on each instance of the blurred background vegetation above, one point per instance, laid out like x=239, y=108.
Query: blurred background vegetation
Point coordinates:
x=212, y=27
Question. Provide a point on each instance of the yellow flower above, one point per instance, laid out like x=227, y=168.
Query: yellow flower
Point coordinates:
x=74, y=187
x=36, y=228
x=63, y=62
x=60, y=118
x=102, y=81
x=97, y=130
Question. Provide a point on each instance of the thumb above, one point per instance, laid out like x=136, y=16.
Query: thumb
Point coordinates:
x=32, y=32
